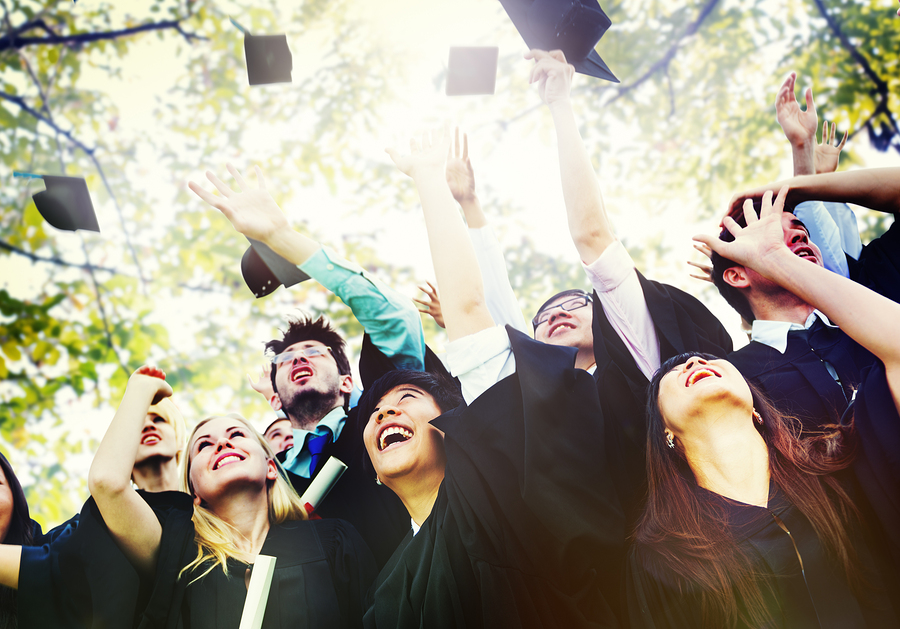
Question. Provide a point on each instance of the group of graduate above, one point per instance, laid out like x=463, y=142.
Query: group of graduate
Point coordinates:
x=615, y=465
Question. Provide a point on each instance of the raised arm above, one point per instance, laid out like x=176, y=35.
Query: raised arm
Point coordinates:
x=388, y=317
x=799, y=126
x=455, y=265
x=130, y=520
x=874, y=188
x=589, y=226
x=863, y=314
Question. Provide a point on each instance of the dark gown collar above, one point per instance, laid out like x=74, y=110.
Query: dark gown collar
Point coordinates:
x=746, y=520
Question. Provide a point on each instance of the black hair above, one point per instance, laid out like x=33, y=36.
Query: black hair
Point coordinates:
x=443, y=389
x=21, y=531
x=735, y=296
x=305, y=328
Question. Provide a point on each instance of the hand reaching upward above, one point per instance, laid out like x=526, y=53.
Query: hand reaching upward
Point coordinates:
x=799, y=126
x=828, y=153
x=252, y=211
x=460, y=174
x=552, y=74
x=425, y=156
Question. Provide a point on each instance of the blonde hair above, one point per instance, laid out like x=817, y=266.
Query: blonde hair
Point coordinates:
x=167, y=409
x=214, y=536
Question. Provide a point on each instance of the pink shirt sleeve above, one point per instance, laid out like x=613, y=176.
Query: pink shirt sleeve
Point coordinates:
x=614, y=278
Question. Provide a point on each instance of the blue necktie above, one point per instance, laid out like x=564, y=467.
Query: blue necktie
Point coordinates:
x=315, y=444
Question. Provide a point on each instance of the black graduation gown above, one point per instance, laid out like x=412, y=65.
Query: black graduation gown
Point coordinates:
x=374, y=510
x=818, y=596
x=683, y=324
x=322, y=572
x=526, y=530
x=77, y=576
x=797, y=381
x=878, y=266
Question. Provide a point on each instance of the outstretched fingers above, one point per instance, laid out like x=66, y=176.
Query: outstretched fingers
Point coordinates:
x=237, y=177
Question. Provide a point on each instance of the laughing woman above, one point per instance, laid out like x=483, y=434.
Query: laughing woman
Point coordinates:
x=746, y=525
x=242, y=507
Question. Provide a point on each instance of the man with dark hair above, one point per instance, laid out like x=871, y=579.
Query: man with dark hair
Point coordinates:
x=805, y=364
x=310, y=375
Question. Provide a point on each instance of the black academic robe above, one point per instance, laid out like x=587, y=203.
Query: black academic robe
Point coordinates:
x=682, y=324
x=374, y=510
x=77, y=577
x=816, y=596
x=322, y=572
x=878, y=266
x=526, y=530
x=797, y=381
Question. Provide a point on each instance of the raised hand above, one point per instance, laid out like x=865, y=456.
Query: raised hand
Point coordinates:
x=460, y=175
x=263, y=385
x=433, y=305
x=799, y=126
x=252, y=211
x=552, y=74
x=151, y=379
x=828, y=153
x=704, y=269
x=425, y=156
x=761, y=240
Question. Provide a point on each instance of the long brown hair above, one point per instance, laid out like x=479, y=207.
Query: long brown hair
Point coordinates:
x=690, y=539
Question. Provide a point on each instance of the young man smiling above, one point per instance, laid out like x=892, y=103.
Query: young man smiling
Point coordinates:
x=310, y=374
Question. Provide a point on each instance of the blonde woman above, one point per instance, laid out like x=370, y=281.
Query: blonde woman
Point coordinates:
x=242, y=506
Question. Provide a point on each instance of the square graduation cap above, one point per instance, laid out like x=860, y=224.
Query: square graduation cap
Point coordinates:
x=573, y=26
x=268, y=59
x=264, y=270
x=472, y=70
x=66, y=203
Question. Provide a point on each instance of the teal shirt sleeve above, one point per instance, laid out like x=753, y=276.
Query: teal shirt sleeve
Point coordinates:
x=391, y=320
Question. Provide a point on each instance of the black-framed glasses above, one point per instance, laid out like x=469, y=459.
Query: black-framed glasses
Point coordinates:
x=574, y=303
x=308, y=352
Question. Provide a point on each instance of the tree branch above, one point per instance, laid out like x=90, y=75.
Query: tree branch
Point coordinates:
x=881, y=85
x=21, y=103
x=93, y=267
x=14, y=40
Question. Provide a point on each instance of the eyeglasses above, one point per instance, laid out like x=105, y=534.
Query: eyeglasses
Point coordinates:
x=579, y=301
x=308, y=352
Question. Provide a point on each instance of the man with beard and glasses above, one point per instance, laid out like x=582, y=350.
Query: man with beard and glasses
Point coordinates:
x=310, y=374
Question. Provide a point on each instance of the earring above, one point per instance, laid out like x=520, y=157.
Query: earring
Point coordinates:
x=757, y=417
x=377, y=481
x=670, y=440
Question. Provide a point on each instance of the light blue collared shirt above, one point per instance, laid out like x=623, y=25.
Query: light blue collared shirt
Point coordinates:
x=298, y=458
x=832, y=227
x=391, y=320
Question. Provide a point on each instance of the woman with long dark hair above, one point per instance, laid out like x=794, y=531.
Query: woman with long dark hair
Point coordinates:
x=16, y=527
x=749, y=523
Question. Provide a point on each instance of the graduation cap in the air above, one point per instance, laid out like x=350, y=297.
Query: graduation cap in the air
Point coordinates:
x=264, y=270
x=472, y=70
x=268, y=58
x=573, y=26
x=66, y=203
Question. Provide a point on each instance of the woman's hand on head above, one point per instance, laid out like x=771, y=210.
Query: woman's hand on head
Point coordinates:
x=152, y=379
x=754, y=244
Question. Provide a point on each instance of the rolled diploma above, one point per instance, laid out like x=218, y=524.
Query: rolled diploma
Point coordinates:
x=323, y=482
x=258, y=592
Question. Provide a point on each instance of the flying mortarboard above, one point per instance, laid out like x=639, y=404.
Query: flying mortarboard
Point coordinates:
x=66, y=203
x=573, y=26
x=472, y=70
x=268, y=58
x=264, y=270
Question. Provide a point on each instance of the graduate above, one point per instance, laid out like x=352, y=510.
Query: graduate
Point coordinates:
x=16, y=529
x=514, y=520
x=746, y=525
x=194, y=555
x=51, y=570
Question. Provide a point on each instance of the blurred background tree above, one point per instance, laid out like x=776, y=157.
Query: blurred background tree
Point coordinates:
x=139, y=99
